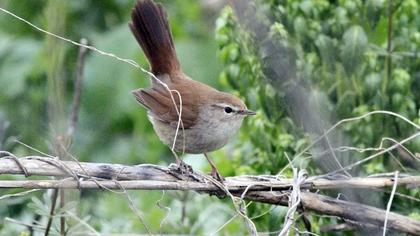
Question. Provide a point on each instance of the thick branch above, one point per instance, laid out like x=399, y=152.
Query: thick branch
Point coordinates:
x=42, y=166
x=266, y=189
x=344, y=209
x=310, y=201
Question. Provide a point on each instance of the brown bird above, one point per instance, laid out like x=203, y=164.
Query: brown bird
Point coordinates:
x=209, y=117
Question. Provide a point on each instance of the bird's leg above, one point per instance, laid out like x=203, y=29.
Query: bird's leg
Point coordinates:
x=181, y=164
x=214, y=172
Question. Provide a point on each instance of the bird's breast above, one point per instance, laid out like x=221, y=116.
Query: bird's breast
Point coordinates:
x=208, y=134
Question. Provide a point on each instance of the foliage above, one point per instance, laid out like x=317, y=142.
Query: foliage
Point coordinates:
x=339, y=48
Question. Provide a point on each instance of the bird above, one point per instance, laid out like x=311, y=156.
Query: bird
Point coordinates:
x=187, y=115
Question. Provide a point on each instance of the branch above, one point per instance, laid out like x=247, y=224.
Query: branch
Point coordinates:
x=77, y=87
x=170, y=180
x=347, y=210
x=265, y=189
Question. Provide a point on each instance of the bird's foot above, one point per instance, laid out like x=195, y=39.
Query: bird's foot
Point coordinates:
x=181, y=169
x=217, y=176
x=184, y=167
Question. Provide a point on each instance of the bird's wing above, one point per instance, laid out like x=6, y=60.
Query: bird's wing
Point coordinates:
x=161, y=105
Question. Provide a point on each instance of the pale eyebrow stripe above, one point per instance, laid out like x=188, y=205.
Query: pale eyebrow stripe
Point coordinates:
x=223, y=105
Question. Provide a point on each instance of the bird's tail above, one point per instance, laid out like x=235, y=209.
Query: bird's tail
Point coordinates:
x=150, y=27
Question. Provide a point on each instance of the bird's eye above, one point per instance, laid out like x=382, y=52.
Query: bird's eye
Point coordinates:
x=228, y=110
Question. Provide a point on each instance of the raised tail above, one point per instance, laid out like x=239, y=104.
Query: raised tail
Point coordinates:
x=149, y=25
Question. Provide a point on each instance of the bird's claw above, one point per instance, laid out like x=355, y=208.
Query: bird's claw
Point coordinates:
x=217, y=176
x=184, y=167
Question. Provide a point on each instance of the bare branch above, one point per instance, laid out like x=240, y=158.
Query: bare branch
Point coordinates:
x=388, y=207
x=162, y=178
x=266, y=189
x=77, y=87
x=347, y=210
x=337, y=228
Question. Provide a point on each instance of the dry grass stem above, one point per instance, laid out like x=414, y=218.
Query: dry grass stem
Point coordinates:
x=294, y=200
x=388, y=206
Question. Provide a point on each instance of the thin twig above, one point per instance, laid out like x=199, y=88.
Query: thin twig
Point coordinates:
x=81, y=221
x=134, y=208
x=33, y=226
x=4, y=125
x=347, y=120
x=228, y=221
x=4, y=154
x=335, y=157
x=77, y=87
x=294, y=200
x=408, y=197
x=51, y=215
x=34, y=149
x=348, y=167
x=388, y=49
x=238, y=203
x=21, y=194
x=165, y=208
x=388, y=206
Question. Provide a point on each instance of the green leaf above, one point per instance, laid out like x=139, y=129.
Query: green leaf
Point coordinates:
x=326, y=47
x=355, y=44
x=379, y=34
x=17, y=59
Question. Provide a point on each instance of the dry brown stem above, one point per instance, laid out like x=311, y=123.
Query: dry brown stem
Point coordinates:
x=266, y=189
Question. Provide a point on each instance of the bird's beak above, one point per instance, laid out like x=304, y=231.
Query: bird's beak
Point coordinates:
x=247, y=112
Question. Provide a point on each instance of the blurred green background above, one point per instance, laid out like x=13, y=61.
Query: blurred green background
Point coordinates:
x=340, y=50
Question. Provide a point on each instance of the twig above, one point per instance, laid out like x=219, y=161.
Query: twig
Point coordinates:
x=347, y=120
x=402, y=195
x=305, y=232
x=238, y=203
x=348, y=167
x=230, y=220
x=337, y=228
x=18, y=194
x=69, y=135
x=33, y=149
x=134, y=208
x=51, y=215
x=4, y=125
x=4, y=154
x=160, y=178
x=231, y=184
x=81, y=221
x=388, y=207
x=346, y=210
x=77, y=87
x=272, y=190
x=224, y=224
x=334, y=156
x=33, y=226
x=387, y=78
x=294, y=200
x=167, y=209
